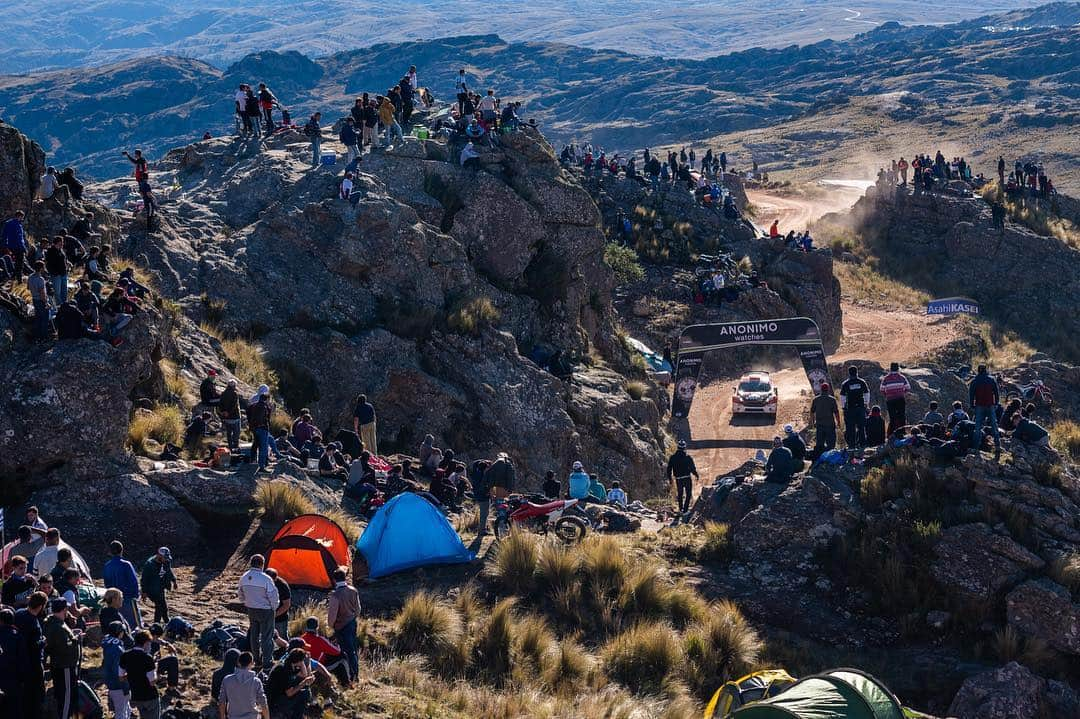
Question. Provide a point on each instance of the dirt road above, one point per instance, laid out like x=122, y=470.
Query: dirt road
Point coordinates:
x=798, y=213
x=718, y=444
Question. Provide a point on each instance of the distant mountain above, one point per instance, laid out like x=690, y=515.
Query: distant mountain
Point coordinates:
x=53, y=34
x=1029, y=76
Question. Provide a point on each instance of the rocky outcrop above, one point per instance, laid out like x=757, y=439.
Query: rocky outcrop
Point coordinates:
x=974, y=563
x=22, y=163
x=1013, y=692
x=947, y=245
x=424, y=294
x=1041, y=608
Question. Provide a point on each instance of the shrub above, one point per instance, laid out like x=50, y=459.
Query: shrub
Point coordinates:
x=535, y=641
x=492, y=653
x=214, y=309
x=636, y=389
x=1065, y=436
x=1008, y=645
x=872, y=489
x=163, y=424
x=623, y=262
x=279, y=500
x=927, y=532
x=467, y=604
x=1047, y=474
x=570, y=665
x=721, y=646
x=642, y=657
x=245, y=360
x=1066, y=571
x=515, y=562
x=469, y=317
x=556, y=569
x=174, y=382
x=426, y=625
x=685, y=606
x=279, y=420
x=644, y=595
x=717, y=546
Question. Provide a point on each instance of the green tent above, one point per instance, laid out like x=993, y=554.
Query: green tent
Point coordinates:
x=835, y=694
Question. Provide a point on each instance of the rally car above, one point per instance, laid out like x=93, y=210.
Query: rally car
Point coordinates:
x=755, y=393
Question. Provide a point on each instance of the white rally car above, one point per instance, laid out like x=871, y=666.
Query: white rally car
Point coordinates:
x=754, y=394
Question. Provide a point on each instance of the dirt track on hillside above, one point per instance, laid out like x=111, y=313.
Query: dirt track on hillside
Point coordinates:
x=719, y=445
x=795, y=212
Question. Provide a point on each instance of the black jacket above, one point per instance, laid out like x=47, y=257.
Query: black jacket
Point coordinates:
x=681, y=464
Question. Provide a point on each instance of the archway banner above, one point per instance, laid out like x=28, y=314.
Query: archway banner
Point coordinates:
x=696, y=341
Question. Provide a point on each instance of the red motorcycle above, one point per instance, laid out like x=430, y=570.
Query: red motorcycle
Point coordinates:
x=540, y=518
x=1036, y=392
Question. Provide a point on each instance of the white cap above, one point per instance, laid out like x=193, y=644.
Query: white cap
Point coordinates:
x=578, y=465
x=263, y=389
x=788, y=428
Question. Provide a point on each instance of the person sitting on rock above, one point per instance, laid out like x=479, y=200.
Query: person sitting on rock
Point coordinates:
x=208, y=391
x=304, y=430
x=957, y=415
x=1030, y=432
x=470, y=158
x=444, y=489
x=795, y=445
x=597, y=491
x=551, y=487
x=779, y=468
x=875, y=427
x=288, y=450
x=93, y=269
x=616, y=495
x=312, y=449
x=67, y=179
x=288, y=688
x=1011, y=416
x=933, y=416
x=332, y=463
x=71, y=324
x=325, y=652
x=578, y=482
x=196, y=430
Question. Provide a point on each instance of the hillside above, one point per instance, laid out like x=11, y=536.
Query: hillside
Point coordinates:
x=100, y=32
x=1018, y=83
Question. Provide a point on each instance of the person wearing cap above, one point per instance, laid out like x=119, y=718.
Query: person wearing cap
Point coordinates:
x=780, y=466
x=112, y=647
x=680, y=469
x=229, y=411
x=208, y=391
x=120, y=574
x=795, y=445
x=578, y=482
x=256, y=591
x=64, y=649
x=324, y=651
x=31, y=671
x=156, y=582
x=824, y=418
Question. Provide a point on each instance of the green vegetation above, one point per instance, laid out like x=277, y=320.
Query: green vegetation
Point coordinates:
x=164, y=425
x=623, y=261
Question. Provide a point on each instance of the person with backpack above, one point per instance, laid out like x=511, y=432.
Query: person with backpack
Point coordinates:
x=983, y=396
x=313, y=131
x=142, y=170
x=896, y=388
x=853, y=394
x=266, y=104
x=349, y=139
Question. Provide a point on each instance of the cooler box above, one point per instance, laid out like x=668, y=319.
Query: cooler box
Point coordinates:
x=329, y=158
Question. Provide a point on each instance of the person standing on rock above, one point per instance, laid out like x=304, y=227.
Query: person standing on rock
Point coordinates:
x=349, y=139
x=258, y=414
x=15, y=242
x=157, y=581
x=56, y=265
x=853, y=395
x=120, y=574
x=364, y=424
x=1001, y=171
x=229, y=411
x=40, y=297
x=266, y=104
x=313, y=131
x=259, y=595
x=983, y=396
x=371, y=120
x=896, y=388
x=388, y=119
x=902, y=167
x=824, y=418
x=681, y=470
x=997, y=214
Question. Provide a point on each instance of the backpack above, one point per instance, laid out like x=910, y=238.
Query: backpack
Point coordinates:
x=219, y=638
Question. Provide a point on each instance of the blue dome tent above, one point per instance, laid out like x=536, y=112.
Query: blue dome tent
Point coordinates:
x=409, y=532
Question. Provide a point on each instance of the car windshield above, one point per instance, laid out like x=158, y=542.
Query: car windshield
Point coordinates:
x=755, y=385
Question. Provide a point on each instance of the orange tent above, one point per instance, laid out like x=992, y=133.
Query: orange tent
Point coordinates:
x=306, y=551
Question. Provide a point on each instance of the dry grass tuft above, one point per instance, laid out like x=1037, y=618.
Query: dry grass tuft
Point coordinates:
x=514, y=564
x=163, y=424
x=245, y=360
x=346, y=521
x=717, y=546
x=426, y=625
x=556, y=568
x=1065, y=437
x=720, y=647
x=636, y=389
x=1066, y=571
x=643, y=657
x=281, y=500
x=471, y=316
x=493, y=651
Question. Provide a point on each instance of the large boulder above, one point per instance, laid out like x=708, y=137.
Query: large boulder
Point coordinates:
x=973, y=562
x=1041, y=608
x=22, y=163
x=1013, y=692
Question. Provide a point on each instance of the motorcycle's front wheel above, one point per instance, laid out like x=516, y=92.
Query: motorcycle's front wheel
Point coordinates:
x=571, y=529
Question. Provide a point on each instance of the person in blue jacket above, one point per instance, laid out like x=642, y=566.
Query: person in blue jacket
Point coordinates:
x=578, y=483
x=120, y=574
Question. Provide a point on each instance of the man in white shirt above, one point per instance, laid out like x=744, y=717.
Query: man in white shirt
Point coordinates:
x=240, y=98
x=259, y=595
x=49, y=183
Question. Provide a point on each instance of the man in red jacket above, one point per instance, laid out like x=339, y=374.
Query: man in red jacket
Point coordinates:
x=896, y=388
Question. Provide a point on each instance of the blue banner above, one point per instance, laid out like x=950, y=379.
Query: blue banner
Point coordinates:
x=952, y=306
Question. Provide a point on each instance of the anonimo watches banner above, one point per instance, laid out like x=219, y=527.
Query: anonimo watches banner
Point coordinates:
x=952, y=306
x=698, y=340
